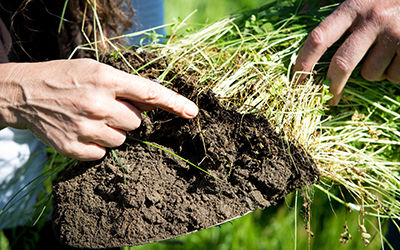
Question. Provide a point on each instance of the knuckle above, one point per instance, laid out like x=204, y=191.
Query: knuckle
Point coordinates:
x=393, y=78
x=88, y=61
x=335, y=91
x=153, y=93
x=83, y=130
x=92, y=105
x=98, y=72
x=357, y=5
x=317, y=37
x=175, y=102
x=376, y=16
x=84, y=64
x=341, y=63
x=367, y=74
x=96, y=107
x=72, y=150
x=305, y=65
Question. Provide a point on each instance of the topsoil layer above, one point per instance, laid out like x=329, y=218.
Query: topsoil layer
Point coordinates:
x=155, y=194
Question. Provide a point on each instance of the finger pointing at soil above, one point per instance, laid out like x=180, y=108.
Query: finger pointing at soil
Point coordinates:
x=151, y=93
x=141, y=90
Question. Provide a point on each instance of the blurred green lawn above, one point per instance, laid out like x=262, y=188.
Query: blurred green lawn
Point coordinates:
x=208, y=11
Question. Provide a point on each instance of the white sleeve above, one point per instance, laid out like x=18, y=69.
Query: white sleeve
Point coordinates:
x=22, y=159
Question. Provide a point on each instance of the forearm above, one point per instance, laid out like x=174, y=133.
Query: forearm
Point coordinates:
x=5, y=71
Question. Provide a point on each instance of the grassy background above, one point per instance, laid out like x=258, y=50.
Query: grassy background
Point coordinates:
x=208, y=11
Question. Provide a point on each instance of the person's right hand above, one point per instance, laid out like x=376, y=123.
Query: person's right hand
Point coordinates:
x=374, y=34
x=80, y=106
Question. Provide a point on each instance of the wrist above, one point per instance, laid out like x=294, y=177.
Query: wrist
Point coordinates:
x=11, y=95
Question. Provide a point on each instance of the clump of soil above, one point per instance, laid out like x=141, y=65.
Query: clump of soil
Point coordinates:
x=155, y=195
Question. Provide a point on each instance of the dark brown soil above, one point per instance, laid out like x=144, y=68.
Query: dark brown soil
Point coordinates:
x=156, y=195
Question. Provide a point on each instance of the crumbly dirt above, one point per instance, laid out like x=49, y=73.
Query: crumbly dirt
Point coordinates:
x=155, y=195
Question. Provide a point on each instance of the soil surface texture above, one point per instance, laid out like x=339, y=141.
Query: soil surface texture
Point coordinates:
x=150, y=188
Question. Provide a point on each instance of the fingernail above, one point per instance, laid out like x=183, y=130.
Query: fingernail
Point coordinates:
x=191, y=109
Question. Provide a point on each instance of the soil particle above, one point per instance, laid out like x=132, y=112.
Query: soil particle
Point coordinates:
x=155, y=195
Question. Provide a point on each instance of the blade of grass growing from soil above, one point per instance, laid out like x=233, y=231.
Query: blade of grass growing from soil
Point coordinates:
x=119, y=163
x=178, y=156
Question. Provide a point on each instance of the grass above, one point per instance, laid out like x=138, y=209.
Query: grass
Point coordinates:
x=4, y=244
x=119, y=163
x=42, y=213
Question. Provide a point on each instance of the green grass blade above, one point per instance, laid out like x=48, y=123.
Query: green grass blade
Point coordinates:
x=178, y=156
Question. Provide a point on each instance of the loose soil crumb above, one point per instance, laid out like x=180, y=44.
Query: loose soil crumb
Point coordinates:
x=155, y=195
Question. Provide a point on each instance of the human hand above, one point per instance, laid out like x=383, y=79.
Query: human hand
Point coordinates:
x=374, y=27
x=80, y=106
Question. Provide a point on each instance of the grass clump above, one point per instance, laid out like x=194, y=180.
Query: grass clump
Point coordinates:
x=246, y=60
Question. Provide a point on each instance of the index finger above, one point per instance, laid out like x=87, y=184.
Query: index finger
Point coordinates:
x=323, y=36
x=150, y=93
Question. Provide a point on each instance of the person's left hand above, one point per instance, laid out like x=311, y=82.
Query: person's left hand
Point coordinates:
x=374, y=26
